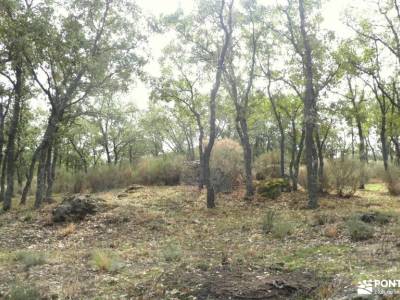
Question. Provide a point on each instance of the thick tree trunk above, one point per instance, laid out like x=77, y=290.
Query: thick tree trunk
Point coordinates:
x=310, y=114
x=2, y=161
x=12, y=134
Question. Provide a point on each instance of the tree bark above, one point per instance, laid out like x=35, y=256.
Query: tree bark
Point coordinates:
x=310, y=113
x=12, y=133
x=227, y=28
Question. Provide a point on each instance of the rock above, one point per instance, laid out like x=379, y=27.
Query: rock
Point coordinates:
x=76, y=207
x=133, y=188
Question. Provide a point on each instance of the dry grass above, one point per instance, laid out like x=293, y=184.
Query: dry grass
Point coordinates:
x=67, y=230
x=158, y=231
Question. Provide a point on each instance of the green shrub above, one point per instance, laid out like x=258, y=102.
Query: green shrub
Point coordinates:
x=358, y=230
x=268, y=221
x=23, y=292
x=343, y=176
x=30, y=259
x=267, y=165
x=226, y=165
x=282, y=229
x=106, y=261
x=172, y=252
x=162, y=170
x=272, y=188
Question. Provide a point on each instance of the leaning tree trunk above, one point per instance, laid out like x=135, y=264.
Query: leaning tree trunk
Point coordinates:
x=12, y=134
x=310, y=114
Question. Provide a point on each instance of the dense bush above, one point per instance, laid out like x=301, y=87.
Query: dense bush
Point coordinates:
x=267, y=165
x=226, y=165
x=343, y=176
x=162, y=170
x=272, y=188
x=392, y=180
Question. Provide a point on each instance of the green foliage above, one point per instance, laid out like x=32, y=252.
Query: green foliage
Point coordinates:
x=358, y=230
x=172, y=252
x=272, y=188
x=226, y=165
x=106, y=261
x=162, y=170
x=30, y=258
x=23, y=292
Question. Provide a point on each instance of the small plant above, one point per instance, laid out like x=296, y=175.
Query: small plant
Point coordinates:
x=268, y=221
x=30, y=259
x=23, y=292
x=106, y=261
x=267, y=166
x=68, y=230
x=358, y=230
x=172, y=252
x=282, y=229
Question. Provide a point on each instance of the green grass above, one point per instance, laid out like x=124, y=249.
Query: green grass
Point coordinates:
x=375, y=187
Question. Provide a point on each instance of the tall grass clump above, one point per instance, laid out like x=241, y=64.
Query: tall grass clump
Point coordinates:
x=226, y=165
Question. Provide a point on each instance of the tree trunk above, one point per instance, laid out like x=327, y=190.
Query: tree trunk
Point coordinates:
x=213, y=97
x=384, y=142
x=51, y=173
x=310, y=114
x=244, y=137
x=12, y=133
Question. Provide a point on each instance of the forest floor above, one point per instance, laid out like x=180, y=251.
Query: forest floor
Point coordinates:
x=162, y=243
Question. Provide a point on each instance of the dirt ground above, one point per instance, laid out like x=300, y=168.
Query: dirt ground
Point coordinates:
x=162, y=243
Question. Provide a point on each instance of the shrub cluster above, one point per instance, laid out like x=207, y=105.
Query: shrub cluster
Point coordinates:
x=267, y=165
x=343, y=176
x=392, y=179
x=226, y=165
x=162, y=170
